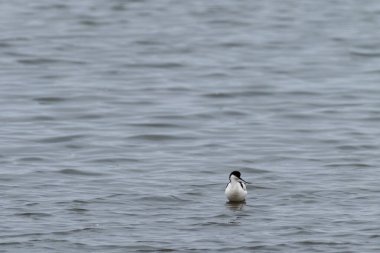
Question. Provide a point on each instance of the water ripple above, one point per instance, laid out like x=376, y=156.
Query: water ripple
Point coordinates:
x=77, y=172
x=59, y=139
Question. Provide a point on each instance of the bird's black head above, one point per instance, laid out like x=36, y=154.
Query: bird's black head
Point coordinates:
x=235, y=173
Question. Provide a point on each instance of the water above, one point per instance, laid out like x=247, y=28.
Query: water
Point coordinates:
x=121, y=121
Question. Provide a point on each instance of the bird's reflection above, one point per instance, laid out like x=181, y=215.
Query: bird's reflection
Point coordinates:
x=235, y=206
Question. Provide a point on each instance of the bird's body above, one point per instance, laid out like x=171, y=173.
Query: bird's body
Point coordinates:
x=236, y=191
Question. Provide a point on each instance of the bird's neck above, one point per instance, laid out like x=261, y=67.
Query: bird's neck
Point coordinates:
x=234, y=181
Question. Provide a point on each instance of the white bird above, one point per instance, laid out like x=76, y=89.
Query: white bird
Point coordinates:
x=236, y=191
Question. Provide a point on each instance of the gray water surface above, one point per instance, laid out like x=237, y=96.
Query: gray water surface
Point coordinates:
x=121, y=121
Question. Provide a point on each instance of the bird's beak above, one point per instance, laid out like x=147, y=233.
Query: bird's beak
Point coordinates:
x=244, y=181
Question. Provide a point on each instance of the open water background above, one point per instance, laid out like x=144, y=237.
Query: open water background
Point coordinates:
x=121, y=120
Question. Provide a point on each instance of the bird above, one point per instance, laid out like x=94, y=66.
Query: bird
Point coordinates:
x=236, y=191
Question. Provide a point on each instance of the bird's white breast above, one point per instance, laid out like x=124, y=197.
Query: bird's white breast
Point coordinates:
x=235, y=192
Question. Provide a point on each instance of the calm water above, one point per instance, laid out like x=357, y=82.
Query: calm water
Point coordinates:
x=121, y=120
